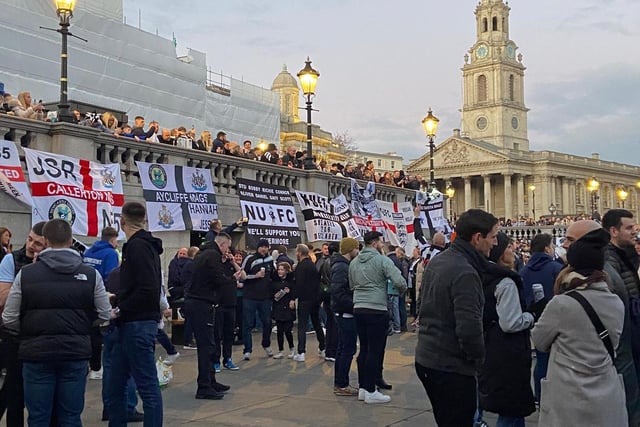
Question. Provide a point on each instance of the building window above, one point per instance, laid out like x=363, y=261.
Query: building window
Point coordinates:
x=393, y=164
x=379, y=163
x=579, y=191
x=512, y=91
x=495, y=23
x=503, y=26
x=485, y=25
x=482, y=88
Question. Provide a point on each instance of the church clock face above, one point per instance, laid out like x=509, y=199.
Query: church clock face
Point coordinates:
x=481, y=123
x=482, y=51
x=514, y=122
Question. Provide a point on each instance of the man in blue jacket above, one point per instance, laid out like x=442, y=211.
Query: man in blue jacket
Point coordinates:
x=542, y=269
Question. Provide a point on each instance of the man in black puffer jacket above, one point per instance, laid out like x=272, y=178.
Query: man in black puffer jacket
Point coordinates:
x=342, y=306
x=51, y=307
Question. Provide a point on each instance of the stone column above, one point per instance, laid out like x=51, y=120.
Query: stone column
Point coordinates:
x=566, y=205
x=545, y=195
x=487, y=193
x=467, y=193
x=552, y=198
x=508, y=202
x=520, y=195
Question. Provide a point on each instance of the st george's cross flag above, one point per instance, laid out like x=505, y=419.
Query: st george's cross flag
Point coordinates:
x=88, y=195
x=12, y=179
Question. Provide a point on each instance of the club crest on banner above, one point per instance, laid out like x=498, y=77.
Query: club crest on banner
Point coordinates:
x=198, y=181
x=165, y=219
x=158, y=176
x=62, y=209
x=108, y=180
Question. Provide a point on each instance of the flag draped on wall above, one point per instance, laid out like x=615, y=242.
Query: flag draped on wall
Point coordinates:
x=86, y=194
x=12, y=180
x=178, y=197
x=270, y=211
x=327, y=220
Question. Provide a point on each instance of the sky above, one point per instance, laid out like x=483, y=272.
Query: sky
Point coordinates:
x=383, y=64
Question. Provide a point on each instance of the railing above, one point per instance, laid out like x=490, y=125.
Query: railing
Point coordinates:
x=529, y=232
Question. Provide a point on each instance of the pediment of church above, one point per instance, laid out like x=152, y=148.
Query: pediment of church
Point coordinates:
x=456, y=152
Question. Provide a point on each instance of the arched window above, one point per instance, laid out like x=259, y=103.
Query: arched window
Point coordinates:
x=485, y=25
x=512, y=91
x=482, y=88
x=579, y=192
x=606, y=199
x=495, y=23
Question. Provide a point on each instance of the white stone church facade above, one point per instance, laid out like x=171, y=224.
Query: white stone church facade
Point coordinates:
x=489, y=163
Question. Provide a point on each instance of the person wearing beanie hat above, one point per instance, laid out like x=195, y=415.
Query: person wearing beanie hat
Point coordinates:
x=504, y=379
x=342, y=306
x=582, y=386
x=263, y=243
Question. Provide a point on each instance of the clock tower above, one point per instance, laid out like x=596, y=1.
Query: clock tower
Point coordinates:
x=493, y=106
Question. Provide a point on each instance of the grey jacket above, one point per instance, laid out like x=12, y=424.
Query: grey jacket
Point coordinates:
x=368, y=275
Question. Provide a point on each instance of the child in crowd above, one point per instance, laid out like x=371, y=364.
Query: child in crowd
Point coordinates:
x=284, y=308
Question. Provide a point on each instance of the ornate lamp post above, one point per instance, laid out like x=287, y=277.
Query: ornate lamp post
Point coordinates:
x=622, y=195
x=593, y=185
x=532, y=188
x=64, y=9
x=308, y=80
x=450, y=191
x=430, y=124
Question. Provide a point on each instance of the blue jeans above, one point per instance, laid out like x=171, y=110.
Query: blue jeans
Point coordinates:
x=539, y=372
x=107, y=366
x=346, y=348
x=250, y=306
x=61, y=383
x=394, y=310
x=372, y=332
x=133, y=355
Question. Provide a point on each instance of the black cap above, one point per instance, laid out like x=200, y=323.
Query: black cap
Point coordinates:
x=370, y=236
x=498, y=250
x=586, y=254
x=262, y=243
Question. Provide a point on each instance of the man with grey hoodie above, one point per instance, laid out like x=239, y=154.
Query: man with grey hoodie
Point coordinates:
x=369, y=273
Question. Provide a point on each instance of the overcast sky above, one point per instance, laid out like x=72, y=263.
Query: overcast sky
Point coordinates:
x=382, y=64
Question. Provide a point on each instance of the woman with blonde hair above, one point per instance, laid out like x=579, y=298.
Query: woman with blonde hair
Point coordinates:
x=25, y=109
x=581, y=327
x=110, y=122
x=204, y=143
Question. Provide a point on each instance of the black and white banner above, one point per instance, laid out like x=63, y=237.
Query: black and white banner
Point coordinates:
x=432, y=212
x=270, y=211
x=364, y=207
x=327, y=220
x=177, y=197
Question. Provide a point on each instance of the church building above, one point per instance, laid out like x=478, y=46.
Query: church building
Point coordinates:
x=489, y=163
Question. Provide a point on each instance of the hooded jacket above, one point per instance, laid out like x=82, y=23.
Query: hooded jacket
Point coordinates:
x=52, y=305
x=341, y=293
x=140, y=278
x=368, y=275
x=103, y=257
x=542, y=269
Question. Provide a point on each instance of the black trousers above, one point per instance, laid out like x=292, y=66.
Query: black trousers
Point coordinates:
x=223, y=333
x=308, y=309
x=284, y=329
x=12, y=393
x=95, y=363
x=330, y=326
x=202, y=315
x=453, y=396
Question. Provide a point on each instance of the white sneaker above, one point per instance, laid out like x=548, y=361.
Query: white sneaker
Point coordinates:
x=171, y=358
x=299, y=357
x=247, y=356
x=376, y=397
x=95, y=375
x=292, y=353
x=361, y=392
x=278, y=355
x=268, y=351
x=322, y=353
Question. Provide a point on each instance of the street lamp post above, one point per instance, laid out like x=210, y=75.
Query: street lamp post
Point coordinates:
x=64, y=9
x=532, y=188
x=553, y=209
x=450, y=191
x=592, y=186
x=430, y=124
x=308, y=80
x=622, y=195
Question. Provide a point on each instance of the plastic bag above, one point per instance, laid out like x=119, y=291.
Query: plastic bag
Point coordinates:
x=165, y=373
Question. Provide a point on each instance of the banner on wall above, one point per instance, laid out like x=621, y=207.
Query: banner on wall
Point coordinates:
x=398, y=224
x=86, y=194
x=12, y=179
x=364, y=207
x=178, y=197
x=270, y=211
x=432, y=213
x=327, y=220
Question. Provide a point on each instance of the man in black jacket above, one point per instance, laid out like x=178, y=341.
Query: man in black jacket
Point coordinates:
x=342, y=305
x=307, y=291
x=210, y=276
x=450, y=348
x=138, y=311
x=51, y=307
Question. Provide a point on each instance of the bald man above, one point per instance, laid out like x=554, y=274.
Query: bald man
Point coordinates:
x=627, y=352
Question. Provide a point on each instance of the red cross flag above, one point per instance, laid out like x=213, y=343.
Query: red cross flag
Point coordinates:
x=86, y=194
